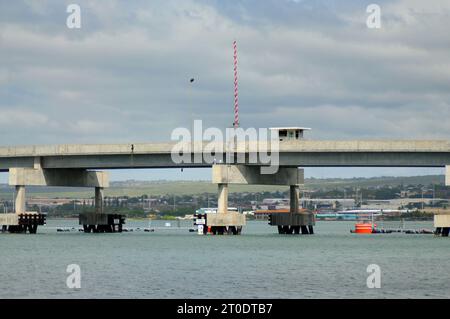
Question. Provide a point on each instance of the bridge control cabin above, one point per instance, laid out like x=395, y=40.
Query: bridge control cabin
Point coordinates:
x=290, y=133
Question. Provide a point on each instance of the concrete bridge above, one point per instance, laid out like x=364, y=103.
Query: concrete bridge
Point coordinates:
x=73, y=165
x=300, y=153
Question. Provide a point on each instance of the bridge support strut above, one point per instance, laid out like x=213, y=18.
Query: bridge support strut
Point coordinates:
x=99, y=222
x=294, y=222
x=21, y=221
x=19, y=199
x=442, y=221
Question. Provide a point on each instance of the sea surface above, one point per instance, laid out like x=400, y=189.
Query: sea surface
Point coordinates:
x=174, y=263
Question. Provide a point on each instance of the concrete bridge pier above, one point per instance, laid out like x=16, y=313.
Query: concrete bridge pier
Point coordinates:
x=288, y=223
x=20, y=221
x=294, y=222
x=19, y=199
x=99, y=199
x=222, y=198
x=294, y=192
x=442, y=221
x=99, y=221
x=223, y=222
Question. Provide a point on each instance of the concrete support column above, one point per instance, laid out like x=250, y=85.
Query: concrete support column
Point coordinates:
x=37, y=163
x=222, y=198
x=19, y=200
x=99, y=196
x=294, y=198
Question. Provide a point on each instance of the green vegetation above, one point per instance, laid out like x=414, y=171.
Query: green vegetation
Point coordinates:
x=330, y=183
x=171, y=199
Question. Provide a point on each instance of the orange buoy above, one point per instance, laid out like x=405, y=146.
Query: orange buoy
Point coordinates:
x=363, y=228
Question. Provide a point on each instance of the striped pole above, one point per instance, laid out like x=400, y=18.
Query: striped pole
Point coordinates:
x=236, y=105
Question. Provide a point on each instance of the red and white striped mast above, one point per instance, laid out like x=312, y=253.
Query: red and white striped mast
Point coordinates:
x=236, y=104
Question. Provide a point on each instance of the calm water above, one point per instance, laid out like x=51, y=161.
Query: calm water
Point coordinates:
x=258, y=264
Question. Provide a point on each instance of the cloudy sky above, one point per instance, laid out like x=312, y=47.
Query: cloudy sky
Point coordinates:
x=124, y=75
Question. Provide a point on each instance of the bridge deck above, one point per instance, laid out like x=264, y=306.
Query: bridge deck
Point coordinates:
x=294, y=146
x=413, y=153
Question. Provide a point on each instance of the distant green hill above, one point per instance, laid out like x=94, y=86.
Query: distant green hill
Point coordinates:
x=152, y=188
x=374, y=181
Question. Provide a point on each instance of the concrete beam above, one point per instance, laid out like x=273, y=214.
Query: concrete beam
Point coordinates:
x=225, y=219
x=243, y=174
x=300, y=219
x=304, y=153
x=303, y=146
x=37, y=164
x=447, y=175
x=9, y=219
x=441, y=220
x=58, y=177
x=93, y=219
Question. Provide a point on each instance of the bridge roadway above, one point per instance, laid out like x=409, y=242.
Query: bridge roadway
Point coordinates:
x=302, y=153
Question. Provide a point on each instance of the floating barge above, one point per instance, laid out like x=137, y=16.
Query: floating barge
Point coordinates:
x=369, y=228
